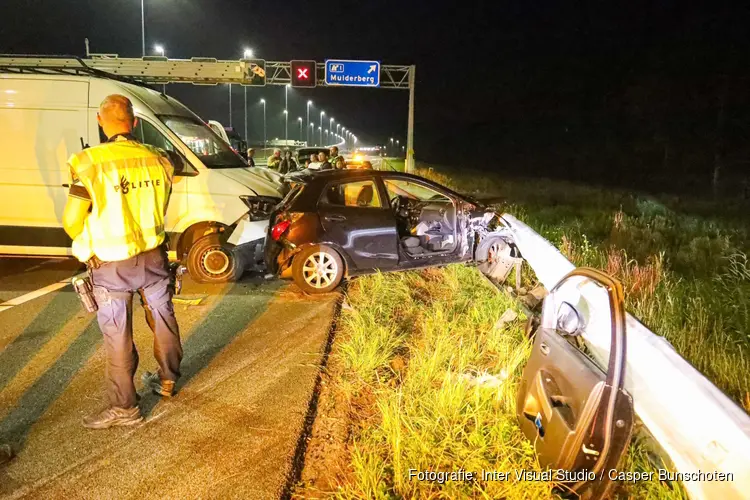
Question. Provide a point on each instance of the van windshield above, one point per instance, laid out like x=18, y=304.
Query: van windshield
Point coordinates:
x=209, y=147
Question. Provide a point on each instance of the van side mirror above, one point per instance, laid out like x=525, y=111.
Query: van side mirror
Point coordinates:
x=182, y=168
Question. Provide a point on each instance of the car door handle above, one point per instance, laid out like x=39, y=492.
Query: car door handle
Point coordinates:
x=66, y=185
x=334, y=218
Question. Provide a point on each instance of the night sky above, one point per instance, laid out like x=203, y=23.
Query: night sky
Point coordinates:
x=584, y=87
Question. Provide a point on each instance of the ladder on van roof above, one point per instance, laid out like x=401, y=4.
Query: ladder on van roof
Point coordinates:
x=197, y=70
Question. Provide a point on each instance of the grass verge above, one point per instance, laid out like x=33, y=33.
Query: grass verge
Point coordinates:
x=425, y=379
x=683, y=262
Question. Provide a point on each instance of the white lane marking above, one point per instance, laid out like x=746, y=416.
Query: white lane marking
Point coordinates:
x=38, y=293
x=34, y=268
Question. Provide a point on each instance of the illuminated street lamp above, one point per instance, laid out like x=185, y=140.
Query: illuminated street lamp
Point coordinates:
x=299, y=119
x=263, y=102
x=159, y=49
x=330, y=124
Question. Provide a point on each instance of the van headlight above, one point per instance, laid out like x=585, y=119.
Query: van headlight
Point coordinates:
x=260, y=206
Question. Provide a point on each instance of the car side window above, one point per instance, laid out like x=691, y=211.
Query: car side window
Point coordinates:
x=362, y=194
x=399, y=187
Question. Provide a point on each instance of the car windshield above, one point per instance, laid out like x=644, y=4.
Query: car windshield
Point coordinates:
x=209, y=147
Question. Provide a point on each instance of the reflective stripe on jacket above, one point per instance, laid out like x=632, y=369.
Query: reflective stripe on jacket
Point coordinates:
x=129, y=184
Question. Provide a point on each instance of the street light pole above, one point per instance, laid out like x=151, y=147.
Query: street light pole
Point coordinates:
x=286, y=125
x=322, y=114
x=230, y=104
x=286, y=112
x=143, y=27
x=247, y=54
x=307, y=128
x=159, y=49
x=299, y=119
x=263, y=102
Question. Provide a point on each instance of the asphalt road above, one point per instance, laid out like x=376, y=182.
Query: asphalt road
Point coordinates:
x=252, y=353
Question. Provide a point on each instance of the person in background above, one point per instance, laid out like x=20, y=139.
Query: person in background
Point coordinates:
x=287, y=164
x=313, y=163
x=250, y=159
x=340, y=163
x=366, y=165
x=118, y=231
x=334, y=155
x=274, y=160
x=324, y=163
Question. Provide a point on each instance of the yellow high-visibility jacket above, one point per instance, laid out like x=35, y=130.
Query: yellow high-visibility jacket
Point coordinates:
x=129, y=184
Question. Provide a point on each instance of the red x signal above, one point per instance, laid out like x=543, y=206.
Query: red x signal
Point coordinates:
x=303, y=73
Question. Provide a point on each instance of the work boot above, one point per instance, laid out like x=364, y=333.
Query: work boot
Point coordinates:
x=157, y=385
x=113, y=416
x=6, y=453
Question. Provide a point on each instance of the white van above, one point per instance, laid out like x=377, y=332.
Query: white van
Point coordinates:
x=216, y=202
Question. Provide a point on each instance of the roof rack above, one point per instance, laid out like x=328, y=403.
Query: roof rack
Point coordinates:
x=56, y=65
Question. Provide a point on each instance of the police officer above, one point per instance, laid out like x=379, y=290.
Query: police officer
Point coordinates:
x=115, y=217
x=334, y=156
x=274, y=160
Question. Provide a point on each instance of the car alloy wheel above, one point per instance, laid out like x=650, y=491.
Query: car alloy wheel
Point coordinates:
x=320, y=270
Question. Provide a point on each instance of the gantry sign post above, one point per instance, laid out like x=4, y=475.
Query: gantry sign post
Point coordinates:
x=245, y=72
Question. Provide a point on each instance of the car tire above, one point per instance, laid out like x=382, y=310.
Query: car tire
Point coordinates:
x=211, y=261
x=310, y=277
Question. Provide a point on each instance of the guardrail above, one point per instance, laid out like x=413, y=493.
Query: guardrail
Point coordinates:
x=696, y=424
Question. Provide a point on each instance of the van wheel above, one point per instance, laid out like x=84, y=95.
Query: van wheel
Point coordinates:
x=211, y=261
x=317, y=269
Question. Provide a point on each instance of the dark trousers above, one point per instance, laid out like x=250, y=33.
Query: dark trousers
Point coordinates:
x=114, y=286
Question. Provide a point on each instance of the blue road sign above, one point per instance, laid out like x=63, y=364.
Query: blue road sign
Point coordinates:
x=353, y=73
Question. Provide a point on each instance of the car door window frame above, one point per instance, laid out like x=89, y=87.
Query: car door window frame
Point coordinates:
x=324, y=203
x=425, y=185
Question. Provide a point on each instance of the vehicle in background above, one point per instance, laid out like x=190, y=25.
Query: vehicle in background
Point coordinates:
x=219, y=208
x=231, y=137
x=341, y=223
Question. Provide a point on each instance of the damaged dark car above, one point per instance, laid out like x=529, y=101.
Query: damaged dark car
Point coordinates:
x=338, y=224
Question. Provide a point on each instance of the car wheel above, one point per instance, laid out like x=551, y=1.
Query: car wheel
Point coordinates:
x=317, y=269
x=211, y=261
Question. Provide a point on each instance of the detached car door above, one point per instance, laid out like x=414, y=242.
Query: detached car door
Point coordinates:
x=571, y=404
x=356, y=219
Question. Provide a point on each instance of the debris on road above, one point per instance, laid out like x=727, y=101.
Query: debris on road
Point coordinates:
x=485, y=379
x=534, y=297
x=188, y=302
x=508, y=317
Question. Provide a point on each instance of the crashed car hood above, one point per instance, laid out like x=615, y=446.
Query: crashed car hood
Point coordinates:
x=261, y=181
